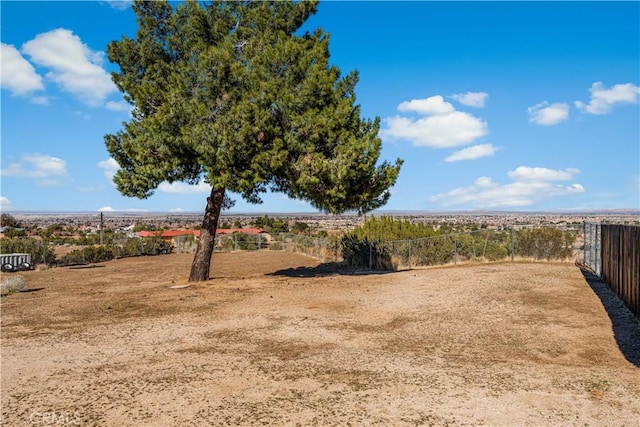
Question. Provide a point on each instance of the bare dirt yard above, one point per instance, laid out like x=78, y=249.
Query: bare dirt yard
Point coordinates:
x=277, y=339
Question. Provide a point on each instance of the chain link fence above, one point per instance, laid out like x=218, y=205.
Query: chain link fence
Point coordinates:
x=484, y=245
x=322, y=249
x=480, y=245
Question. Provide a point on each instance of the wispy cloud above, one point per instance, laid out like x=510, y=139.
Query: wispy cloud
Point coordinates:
x=111, y=209
x=18, y=75
x=183, y=188
x=45, y=169
x=119, y=4
x=471, y=99
x=529, y=185
x=603, y=100
x=5, y=204
x=40, y=100
x=526, y=173
x=548, y=114
x=428, y=106
x=472, y=153
x=72, y=65
x=118, y=106
x=110, y=167
x=443, y=126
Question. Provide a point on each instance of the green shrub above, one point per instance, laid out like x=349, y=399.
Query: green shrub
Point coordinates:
x=544, y=243
x=132, y=247
x=40, y=252
x=363, y=254
x=495, y=251
x=276, y=246
x=89, y=254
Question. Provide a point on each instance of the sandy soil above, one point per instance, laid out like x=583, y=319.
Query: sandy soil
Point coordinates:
x=276, y=339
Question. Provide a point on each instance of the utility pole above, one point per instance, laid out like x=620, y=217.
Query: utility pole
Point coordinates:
x=101, y=229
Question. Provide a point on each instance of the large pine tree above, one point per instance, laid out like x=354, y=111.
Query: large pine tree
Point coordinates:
x=230, y=93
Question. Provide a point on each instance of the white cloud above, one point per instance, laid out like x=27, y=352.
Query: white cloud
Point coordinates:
x=548, y=114
x=443, y=126
x=428, y=106
x=75, y=67
x=471, y=99
x=603, y=100
x=525, y=173
x=90, y=189
x=18, y=75
x=119, y=4
x=110, y=167
x=529, y=185
x=40, y=100
x=176, y=210
x=5, y=204
x=46, y=170
x=471, y=153
x=118, y=106
x=575, y=188
x=179, y=187
x=83, y=115
x=110, y=209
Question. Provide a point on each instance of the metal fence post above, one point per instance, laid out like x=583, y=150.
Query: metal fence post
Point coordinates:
x=370, y=256
x=410, y=254
x=584, y=243
x=455, y=249
x=512, y=244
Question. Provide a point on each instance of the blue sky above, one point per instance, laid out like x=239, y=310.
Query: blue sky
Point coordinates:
x=520, y=106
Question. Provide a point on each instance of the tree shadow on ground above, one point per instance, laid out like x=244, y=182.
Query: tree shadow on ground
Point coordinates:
x=324, y=270
x=626, y=327
x=24, y=291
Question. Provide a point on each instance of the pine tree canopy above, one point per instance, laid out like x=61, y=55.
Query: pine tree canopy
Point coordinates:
x=230, y=93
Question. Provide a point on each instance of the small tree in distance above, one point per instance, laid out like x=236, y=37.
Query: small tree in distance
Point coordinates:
x=227, y=93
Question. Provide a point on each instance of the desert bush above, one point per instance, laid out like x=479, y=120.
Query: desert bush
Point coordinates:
x=276, y=246
x=132, y=247
x=225, y=243
x=495, y=251
x=389, y=228
x=40, y=252
x=432, y=251
x=11, y=283
x=155, y=246
x=7, y=220
x=544, y=243
x=89, y=254
x=364, y=254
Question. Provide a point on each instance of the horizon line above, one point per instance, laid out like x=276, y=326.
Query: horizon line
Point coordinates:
x=565, y=211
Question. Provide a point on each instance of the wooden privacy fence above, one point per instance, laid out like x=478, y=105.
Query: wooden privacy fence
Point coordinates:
x=620, y=256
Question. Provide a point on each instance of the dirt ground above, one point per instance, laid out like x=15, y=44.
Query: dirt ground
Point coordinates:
x=276, y=339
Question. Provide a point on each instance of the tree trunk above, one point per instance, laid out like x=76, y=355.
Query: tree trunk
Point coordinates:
x=202, y=259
